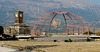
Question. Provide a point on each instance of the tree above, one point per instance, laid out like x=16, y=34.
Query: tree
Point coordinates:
x=89, y=32
x=1, y=29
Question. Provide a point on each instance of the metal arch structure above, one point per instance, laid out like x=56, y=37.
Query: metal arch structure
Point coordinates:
x=53, y=14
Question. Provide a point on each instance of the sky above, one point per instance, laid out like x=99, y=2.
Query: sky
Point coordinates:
x=94, y=1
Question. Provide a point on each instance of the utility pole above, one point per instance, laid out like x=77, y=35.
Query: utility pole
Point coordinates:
x=68, y=31
x=94, y=30
x=78, y=30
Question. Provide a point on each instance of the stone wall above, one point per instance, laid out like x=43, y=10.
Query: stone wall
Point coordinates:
x=17, y=30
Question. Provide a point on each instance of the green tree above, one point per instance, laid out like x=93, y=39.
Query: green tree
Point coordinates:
x=1, y=29
x=88, y=40
x=89, y=32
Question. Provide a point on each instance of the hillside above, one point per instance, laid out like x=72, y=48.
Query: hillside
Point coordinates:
x=34, y=9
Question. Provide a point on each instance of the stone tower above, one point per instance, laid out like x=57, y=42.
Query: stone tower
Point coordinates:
x=18, y=28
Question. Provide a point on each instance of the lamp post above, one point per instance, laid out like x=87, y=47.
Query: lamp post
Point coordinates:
x=40, y=30
x=78, y=30
x=45, y=31
x=68, y=30
x=83, y=31
x=94, y=30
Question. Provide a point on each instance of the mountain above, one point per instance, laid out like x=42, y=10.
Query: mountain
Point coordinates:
x=34, y=9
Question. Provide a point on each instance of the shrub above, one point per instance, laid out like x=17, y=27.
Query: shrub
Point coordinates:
x=88, y=39
x=66, y=41
x=32, y=38
x=55, y=40
x=70, y=40
x=89, y=32
x=14, y=36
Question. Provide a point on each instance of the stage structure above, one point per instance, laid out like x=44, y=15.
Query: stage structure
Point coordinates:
x=68, y=22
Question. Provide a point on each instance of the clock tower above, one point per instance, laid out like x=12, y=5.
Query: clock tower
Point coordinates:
x=19, y=17
x=18, y=28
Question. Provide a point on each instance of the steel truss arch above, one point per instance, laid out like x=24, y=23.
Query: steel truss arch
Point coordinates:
x=63, y=13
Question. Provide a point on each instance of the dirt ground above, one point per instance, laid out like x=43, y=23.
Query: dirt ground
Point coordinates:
x=56, y=46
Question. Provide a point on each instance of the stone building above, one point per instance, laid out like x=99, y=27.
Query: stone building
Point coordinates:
x=18, y=28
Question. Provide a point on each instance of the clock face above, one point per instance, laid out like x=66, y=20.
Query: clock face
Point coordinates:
x=16, y=15
x=20, y=15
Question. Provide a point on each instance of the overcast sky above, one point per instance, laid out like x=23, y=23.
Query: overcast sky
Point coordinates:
x=94, y=1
